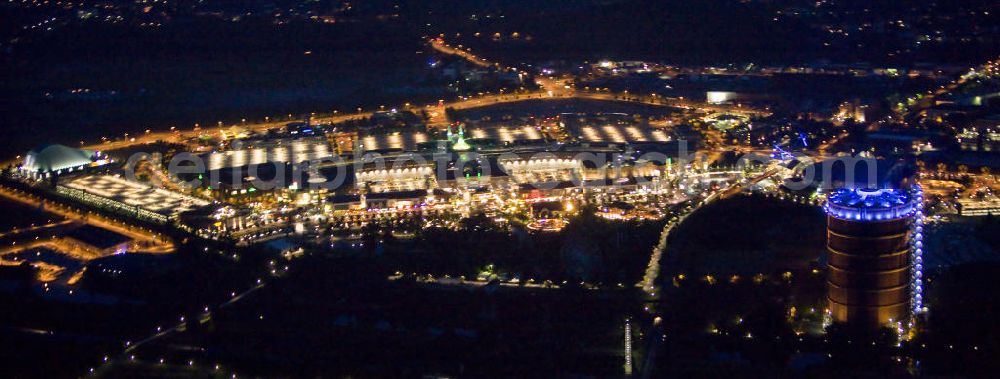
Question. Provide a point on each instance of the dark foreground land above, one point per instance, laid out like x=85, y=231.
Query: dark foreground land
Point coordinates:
x=335, y=317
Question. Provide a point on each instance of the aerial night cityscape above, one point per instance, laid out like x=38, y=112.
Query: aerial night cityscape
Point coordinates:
x=500, y=188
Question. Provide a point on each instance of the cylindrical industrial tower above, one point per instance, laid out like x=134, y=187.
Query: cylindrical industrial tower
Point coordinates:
x=874, y=273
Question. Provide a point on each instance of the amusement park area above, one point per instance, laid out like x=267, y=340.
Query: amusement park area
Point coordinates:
x=563, y=225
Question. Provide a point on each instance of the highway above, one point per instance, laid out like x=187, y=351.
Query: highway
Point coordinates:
x=551, y=88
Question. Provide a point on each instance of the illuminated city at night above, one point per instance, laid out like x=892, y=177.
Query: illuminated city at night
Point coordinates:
x=500, y=189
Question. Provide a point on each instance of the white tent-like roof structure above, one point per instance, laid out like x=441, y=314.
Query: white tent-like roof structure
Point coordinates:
x=54, y=158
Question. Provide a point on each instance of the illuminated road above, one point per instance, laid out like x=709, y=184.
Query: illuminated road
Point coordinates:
x=19, y=231
x=161, y=332
x=180, y=325
x=556, y=86
x=988, y=69
x=156, y=243
x=551, y=88
x=439, y=45
x=657, y=335
x=649, y=286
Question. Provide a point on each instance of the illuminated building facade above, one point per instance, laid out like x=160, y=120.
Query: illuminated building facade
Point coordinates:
x=874, y=240
x=411, y=177
x=55, y=159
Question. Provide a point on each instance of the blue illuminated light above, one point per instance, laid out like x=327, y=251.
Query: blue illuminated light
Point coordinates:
x=886, y=205
x=870, y=204
x=916, y=259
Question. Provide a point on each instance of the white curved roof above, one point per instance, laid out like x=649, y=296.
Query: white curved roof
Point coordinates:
x=55, y=157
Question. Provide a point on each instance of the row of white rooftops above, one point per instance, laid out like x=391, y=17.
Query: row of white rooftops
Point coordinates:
x=314, y=148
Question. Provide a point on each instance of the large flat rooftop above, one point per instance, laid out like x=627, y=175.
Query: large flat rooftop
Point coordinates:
x=158, y=200
x=294, y=151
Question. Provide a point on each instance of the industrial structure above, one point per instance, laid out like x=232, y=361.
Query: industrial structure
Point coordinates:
x=874, y=240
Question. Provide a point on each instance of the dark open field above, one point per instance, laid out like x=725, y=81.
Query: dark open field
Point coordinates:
x=748, y=235
x=18, y=215
x=90, y=81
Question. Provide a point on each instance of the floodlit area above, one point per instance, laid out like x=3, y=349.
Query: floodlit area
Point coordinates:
x=295, y=151
x=542, y=170
x=52, y=263
x=156, y=200
x=409, y=141
x=506, y=134
x=404, y=179
x=394, y=141
x=622, y=134
x=979, y=207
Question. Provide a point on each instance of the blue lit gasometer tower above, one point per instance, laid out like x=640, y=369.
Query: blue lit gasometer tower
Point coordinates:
x=875, y=248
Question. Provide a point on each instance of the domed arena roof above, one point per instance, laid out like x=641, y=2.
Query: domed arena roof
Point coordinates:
x=50, y=158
